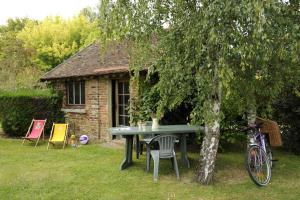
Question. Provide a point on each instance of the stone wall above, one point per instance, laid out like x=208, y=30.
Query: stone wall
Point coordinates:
x=93, y=118
x=105, y=108
x=89, y=122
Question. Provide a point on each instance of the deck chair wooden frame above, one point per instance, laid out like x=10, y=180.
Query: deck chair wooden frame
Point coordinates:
x=65, y=136
x=30, y=130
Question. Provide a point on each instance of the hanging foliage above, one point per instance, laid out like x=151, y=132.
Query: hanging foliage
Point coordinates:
x=209, y=53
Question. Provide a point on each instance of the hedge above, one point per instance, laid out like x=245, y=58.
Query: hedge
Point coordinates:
x=18, y=108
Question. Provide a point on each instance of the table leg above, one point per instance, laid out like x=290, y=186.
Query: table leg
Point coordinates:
x=128, y=152
x=137, y=146
x=183, y=150
x=148, y=157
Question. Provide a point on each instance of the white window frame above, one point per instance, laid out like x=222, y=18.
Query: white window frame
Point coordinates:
x=73, y=88
x=118, y=103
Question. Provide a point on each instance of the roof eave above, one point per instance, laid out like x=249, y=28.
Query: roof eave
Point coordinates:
x=85, y=75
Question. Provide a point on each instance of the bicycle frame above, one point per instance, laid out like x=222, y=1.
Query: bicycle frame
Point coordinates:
x=258, y=139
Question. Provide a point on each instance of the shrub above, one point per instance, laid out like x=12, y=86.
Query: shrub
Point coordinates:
x=18, y=108
x=287, y=113
x=231, y=138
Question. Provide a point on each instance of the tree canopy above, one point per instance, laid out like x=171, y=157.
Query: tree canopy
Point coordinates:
x=29, y=48
x=16, y=67
x=208, y=53
x=55, y=39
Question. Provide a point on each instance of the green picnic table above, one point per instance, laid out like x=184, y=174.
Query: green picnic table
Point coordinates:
x=129, y=132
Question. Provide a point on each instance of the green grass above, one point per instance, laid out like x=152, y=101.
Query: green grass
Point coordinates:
x=92, y=172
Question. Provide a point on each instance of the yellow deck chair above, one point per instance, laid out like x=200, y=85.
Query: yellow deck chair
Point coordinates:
x=58, y=134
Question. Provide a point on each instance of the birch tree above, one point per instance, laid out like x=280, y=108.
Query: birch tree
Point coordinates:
x=206, y=53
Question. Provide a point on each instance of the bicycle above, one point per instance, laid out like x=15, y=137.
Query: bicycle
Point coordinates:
x=258, y=159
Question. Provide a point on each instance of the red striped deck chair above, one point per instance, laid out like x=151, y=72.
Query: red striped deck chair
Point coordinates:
x=35, y=131
x=58, y=134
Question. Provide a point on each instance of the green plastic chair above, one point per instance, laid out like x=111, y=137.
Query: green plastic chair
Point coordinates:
x=166, y=151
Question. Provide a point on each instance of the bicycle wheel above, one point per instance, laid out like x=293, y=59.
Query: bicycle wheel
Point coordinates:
x=258, y=165
x=269, y=152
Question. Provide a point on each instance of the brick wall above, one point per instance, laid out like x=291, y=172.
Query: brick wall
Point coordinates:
x=93, y=118
x=105, y=107
x=90, y=121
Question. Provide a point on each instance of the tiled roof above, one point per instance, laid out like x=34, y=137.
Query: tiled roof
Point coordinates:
x=92, y=60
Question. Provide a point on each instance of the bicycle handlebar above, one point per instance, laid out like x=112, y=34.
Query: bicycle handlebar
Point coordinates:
x=251, y=127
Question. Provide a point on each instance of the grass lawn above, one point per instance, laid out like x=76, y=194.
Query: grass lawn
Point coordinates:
x=92, y=172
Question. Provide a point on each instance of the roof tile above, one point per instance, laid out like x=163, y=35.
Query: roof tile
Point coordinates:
x=92, y=60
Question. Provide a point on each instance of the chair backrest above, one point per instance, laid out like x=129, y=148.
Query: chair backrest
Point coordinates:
x=37, y=128
x=59, y=132
x=166, y=145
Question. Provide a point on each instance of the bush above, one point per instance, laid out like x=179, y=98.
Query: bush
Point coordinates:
x=231, y=138
x=287, y=113
x=18, y=108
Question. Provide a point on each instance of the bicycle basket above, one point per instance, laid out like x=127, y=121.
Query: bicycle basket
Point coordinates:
x=272, y=129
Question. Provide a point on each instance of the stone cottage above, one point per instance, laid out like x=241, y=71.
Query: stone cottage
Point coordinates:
x=95, y=84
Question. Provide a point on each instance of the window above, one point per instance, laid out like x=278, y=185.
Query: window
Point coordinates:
x=76, y=93
x=123, y=103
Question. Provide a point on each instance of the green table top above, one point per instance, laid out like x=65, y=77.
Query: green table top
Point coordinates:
x=162, y=129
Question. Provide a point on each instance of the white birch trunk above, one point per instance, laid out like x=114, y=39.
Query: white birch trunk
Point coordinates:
x=251, y=115
x=209, y=148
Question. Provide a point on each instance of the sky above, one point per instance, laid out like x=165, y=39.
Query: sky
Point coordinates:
x=39, y=9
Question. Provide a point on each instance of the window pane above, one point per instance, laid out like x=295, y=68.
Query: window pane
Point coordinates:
x=120, y=99
x=77, y=93
x=121, y=121
x=126, y=110
x=121, y=110
x=126, y=98
x=126, y=121
x=126, y=87
x=70, y=92
x=82, y=93
x=120, y=88
x=123, y=99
